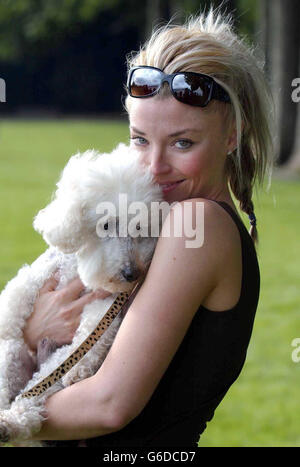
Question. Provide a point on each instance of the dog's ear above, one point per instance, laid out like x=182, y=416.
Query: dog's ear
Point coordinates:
x=62, y=222
x=61, y=226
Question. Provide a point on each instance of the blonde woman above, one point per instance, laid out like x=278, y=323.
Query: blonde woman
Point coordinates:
x=199, y=110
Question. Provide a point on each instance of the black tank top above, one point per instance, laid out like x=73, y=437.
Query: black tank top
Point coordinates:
x=208, y=361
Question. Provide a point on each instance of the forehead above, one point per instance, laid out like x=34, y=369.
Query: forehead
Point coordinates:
x=157, y=113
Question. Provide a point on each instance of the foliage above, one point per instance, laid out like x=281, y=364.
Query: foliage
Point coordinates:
x=42, y=21
x=42, y=24
x=248, y=17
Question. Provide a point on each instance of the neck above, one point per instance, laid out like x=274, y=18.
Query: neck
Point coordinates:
x=221, y=194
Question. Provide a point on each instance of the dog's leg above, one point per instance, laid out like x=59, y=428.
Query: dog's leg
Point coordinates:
x=16, y=368
x=19, y=366
x=27, y=364
x=44, y=349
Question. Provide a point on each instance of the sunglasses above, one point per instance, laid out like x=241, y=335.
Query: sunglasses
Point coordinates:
x=187, y=87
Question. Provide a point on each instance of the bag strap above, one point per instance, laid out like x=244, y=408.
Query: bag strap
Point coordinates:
x=83, y=348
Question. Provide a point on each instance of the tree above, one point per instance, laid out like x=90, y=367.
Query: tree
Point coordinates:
x=43, y=23
x=280, y=37
x=294, y=162
x=161, y=11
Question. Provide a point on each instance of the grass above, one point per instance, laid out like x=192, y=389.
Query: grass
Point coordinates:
x=261, y=408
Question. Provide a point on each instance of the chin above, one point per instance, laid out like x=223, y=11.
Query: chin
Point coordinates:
x=175, y=197
x=178, y=194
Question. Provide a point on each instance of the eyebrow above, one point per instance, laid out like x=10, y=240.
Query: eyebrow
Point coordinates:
x=186, y=130
x=177, y=133
x=136, y=130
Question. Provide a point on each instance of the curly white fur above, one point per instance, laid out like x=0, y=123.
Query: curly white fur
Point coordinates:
x=68, y=224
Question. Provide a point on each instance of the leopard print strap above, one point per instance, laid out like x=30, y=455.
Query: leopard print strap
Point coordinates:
x=80, y=352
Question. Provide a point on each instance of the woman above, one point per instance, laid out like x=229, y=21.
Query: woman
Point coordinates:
x=184, y=339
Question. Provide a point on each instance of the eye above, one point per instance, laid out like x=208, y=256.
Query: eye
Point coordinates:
x=183, y=144
x=138, y=140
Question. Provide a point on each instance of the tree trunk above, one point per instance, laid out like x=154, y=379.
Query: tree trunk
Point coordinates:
x=263, y=32
x=283, y=68
x=294, y=162
x=157, y=12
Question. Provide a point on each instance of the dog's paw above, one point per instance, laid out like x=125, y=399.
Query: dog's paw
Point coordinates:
x=4, y=433
x=44, y=349
x=7, y=430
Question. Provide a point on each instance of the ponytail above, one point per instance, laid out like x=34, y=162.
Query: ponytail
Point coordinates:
x=242, y=188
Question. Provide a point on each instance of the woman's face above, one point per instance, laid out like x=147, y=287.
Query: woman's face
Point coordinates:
x=184, y=146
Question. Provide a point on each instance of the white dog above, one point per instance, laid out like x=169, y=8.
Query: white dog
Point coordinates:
x=82, y=242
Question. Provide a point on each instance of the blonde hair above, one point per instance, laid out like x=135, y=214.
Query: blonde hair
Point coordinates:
x=208, y=44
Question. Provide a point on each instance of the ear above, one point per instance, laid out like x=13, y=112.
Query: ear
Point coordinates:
x=61, y=226
x=233, y=135
x=62, y=222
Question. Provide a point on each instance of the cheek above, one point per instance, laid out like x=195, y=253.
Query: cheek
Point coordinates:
x=194, y=165
x=207, y=159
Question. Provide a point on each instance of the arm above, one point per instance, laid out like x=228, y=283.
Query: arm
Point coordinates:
x=177, y=282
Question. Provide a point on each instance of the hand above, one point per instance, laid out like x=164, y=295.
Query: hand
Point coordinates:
x=57, y=313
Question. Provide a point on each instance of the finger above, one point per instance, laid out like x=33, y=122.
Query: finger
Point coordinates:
x=101, y=294
x=90, y=297
x=49, y=286
x=73, y=289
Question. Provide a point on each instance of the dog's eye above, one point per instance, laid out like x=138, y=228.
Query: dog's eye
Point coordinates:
x=105, y=227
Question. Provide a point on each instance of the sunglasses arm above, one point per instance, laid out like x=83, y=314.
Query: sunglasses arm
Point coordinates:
x=219, y=93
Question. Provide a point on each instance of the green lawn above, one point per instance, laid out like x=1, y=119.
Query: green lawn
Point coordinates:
x=261, y=409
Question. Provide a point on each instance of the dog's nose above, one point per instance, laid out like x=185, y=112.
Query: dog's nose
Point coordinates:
x=130, y=274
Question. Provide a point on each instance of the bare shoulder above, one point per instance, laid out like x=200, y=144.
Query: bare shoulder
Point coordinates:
x=220, y=254
x=217, y=233
x=197, y=239
x=215, y=214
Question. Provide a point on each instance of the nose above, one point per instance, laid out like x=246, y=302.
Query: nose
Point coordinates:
x=157, y=162
x=130, y=273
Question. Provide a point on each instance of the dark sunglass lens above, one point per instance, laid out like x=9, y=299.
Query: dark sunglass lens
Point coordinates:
x=192, y=89
x=144, y=82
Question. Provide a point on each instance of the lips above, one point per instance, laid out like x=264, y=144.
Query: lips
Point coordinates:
x=168, y=186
